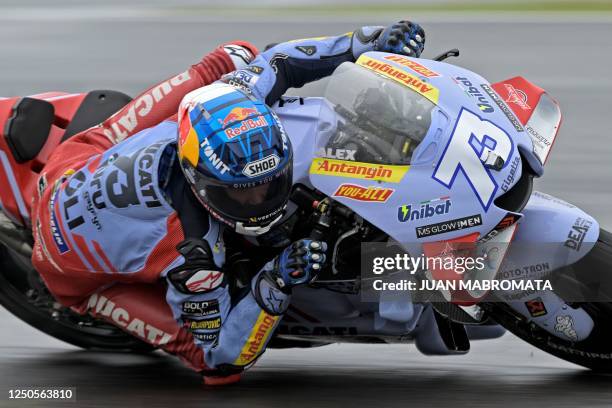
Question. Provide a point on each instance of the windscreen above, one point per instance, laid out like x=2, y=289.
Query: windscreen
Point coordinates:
x=379, y=120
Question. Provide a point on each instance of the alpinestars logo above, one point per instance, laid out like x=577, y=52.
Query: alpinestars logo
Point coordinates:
x=237, y=54
x=203, y=281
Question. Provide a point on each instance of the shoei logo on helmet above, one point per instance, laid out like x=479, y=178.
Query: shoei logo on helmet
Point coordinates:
x=261, y=166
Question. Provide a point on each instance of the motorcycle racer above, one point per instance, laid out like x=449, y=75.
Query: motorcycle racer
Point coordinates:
x=149, y=194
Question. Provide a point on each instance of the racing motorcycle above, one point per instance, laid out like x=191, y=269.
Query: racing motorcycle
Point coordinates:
x=403, y=151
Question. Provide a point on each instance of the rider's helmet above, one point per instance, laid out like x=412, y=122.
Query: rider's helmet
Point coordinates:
x=236, y=156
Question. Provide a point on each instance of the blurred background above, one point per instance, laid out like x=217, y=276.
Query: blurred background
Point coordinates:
x=562, y=46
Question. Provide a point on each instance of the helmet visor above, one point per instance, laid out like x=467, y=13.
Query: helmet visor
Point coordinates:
x=256, y=205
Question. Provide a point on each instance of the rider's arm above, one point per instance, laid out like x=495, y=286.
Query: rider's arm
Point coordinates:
x=161, y=101
x=295, y=63
x=234, y=331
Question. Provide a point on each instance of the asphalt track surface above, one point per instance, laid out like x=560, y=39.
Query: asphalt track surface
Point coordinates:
x=570, y=60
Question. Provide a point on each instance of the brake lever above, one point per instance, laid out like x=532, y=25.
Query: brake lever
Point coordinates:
x=450, y=53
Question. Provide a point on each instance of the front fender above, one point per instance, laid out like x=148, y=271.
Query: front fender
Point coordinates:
x=551, y=234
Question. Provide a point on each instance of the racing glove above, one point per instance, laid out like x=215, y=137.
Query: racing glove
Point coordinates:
x=404, y=37
x=298, y=264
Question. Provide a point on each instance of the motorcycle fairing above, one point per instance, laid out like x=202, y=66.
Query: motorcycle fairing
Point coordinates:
x=548, y=220
x=472, y=197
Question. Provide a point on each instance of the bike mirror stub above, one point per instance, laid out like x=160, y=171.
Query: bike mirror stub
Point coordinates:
x=494, y=162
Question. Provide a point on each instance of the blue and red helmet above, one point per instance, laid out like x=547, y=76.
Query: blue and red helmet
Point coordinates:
x=236, y=156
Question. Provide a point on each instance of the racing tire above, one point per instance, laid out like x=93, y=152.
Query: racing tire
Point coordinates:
x=100, y=336
x=594, y=352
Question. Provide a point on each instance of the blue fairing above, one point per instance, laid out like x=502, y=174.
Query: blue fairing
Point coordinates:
x=310, y=120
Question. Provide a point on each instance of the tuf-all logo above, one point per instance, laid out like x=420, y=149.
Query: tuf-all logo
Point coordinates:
x=100, y=305
x=257, y=339
x=473, y=140
x=261, y=166
x=413, y=65
x=122, y=126
x=360, y=193
x=203, y=281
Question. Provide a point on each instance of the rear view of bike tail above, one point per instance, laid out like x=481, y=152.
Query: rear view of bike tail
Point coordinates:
x=30, y=129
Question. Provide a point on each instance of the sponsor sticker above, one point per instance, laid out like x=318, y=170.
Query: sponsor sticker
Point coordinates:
x=245, y=126
x=425, y=209
x=402, y=77
x=536, y=307
x=238, y=114
x=468, y=87
x=204, y=324
x=56, y=232
x=257, y=339
x=254, y=69
x=340, y=154
x=245, y=77
x=449, y=226
x=577, y=232
x=261, y=166
x=541, y=143
x=506, y=222
x=517, y=97
x=358, y=170
x=503, y=107
x=565, y=326
x=204, y=280
x=206, y=337
x=509, y=180
x=201, y=308
x=360, y=193
x=102, y=306
x=307, y=49
x=413, y=65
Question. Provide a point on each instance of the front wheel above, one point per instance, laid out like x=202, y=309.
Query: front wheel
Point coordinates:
x=595, y=352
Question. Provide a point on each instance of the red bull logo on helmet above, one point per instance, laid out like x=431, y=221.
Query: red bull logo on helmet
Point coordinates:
x=245, y=126
x=238, y=114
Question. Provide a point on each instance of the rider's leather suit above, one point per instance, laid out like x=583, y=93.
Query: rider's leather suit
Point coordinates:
x=113, y=206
